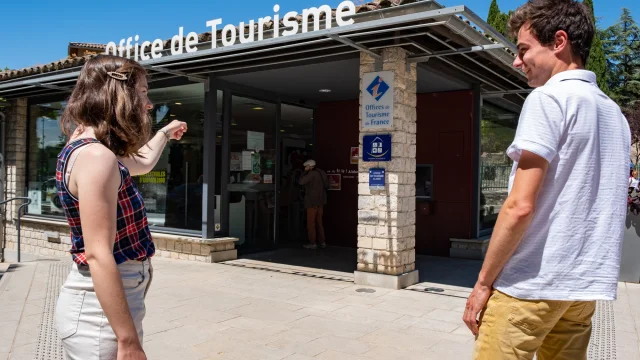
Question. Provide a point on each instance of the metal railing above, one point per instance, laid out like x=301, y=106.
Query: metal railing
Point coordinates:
x=27, y=202
x=494, y=177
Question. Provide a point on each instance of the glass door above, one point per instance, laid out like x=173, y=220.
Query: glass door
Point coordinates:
x=296, y=139
x=252, y=173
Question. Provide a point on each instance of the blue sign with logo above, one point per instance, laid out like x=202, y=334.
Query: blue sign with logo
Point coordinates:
x=376, y=179
x=376, y=148
x=377, y=100
x=377, y=88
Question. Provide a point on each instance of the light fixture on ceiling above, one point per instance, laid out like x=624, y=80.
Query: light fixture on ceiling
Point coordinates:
x=282, y=130
x=258, y=108
x=178, y=103
x=172, y=115
x=325, y=90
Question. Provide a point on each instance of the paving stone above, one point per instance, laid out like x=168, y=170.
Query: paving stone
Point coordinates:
x=227, y=312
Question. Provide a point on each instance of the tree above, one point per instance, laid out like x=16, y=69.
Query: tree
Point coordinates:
x=622, y=48
x=597, y=62
x=499, y=20
x=494, y=15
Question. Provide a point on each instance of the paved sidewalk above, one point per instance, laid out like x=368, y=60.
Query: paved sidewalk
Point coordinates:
x=248, y=309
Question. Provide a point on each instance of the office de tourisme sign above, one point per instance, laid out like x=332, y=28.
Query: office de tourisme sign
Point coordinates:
x=180, y=43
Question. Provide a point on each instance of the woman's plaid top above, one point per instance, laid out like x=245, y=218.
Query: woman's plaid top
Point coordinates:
x=133, y=238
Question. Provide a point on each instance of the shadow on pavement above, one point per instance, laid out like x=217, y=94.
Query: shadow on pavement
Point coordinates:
x=448, y=271
x=438, y=270
x=331, y=258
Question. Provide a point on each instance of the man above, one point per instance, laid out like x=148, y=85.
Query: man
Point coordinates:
x=556, y=245
x=316, y=183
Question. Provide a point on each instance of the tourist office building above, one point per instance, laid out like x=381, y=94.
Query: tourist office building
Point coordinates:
x=408, y=106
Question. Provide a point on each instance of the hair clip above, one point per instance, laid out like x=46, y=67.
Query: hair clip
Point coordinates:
x=117, y=75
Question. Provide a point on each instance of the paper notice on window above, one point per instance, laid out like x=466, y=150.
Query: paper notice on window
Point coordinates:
x=268, y=179
x=236, y=161
x=246, y=160
x=35, y=207
x=255, y=140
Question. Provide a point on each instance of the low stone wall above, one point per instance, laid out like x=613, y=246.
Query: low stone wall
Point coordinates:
x=195, y=249
x=43, y=238
x=51, y=238
x=469, y=248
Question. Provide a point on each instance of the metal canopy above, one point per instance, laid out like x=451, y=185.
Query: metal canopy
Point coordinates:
x=425, y=28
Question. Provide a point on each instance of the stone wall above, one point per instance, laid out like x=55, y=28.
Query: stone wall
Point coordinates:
x=51, y=239
x=39, y=238
x=386, y=218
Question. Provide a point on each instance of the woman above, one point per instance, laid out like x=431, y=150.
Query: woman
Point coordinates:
x=101, y=304
x=633, y=180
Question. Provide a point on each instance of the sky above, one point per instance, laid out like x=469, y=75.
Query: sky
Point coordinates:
x=39, y=31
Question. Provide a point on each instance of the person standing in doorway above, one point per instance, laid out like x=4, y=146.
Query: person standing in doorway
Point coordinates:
x=557, y=242
x=316, y=183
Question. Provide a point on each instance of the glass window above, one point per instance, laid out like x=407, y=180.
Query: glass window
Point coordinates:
x=424, y=181
x=252, y=151
x=172, y=191
x=497, y=131
x=45, y=143
x=296, y=136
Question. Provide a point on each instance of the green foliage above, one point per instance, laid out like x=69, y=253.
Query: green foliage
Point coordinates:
x=499, y=20
x=621, y=43
x=494, y=14
x=597, y=61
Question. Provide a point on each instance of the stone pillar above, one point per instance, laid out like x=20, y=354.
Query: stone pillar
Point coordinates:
x=16, y=154
x=15, y=162
x=386, y=218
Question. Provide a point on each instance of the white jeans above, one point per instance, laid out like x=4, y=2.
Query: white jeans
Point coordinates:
x=83, y=326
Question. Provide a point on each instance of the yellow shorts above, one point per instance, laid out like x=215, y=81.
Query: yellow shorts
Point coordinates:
x=512, y=328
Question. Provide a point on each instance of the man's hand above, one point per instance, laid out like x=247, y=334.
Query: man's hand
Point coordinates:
x=476, y=301
x=131, y=353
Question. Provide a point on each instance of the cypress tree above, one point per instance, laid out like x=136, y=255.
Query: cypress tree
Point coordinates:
x=494, y=16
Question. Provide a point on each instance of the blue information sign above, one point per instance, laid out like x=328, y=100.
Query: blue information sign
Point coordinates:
x=376, y=179
x=376, y=148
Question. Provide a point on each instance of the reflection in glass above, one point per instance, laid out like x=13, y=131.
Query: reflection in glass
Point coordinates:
x=172, y=191
x=296, y=134
x=251, y=187
x=45, y=143
x=424, y=181
x=497, y=131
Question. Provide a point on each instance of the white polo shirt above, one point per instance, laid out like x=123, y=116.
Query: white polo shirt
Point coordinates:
x=571, y=249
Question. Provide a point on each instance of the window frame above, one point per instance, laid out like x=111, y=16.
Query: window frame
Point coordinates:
x=33, y=101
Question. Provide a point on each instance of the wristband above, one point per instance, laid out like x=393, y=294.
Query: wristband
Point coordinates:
x=166, y=134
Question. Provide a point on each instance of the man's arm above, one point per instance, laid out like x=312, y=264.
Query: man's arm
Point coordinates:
x=305, y=178
x=513, y=220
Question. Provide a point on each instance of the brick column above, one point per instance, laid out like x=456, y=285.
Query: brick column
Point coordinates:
x=386, y=218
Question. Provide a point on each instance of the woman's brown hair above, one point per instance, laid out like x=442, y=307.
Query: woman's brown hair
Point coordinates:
x=106, y=98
